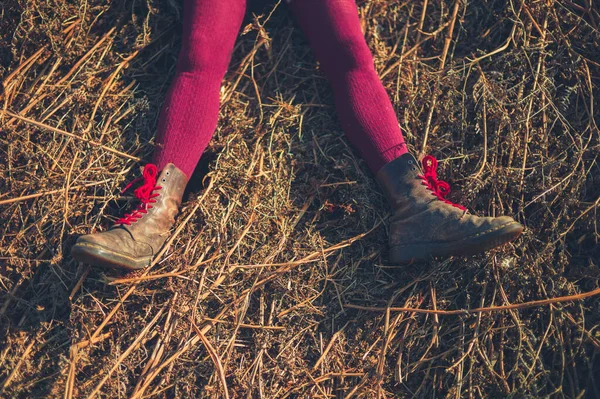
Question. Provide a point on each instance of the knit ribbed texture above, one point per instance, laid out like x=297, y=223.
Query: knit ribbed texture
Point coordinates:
x=190, y=113
x=191, y=109
x=363, y=106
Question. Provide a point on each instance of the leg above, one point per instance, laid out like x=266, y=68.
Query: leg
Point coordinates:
x=187, y=122
x=364, y=108
x=424, y=223
x=191, y=109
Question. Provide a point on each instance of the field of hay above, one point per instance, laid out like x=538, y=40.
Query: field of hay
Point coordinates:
x=282, y=236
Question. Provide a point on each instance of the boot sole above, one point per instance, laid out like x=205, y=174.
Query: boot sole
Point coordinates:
x=472, y=245
x=97, y=255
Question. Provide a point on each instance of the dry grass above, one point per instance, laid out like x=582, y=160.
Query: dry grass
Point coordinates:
x=283, y=226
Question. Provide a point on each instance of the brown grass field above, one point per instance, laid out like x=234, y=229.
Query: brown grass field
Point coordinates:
x=282, y=236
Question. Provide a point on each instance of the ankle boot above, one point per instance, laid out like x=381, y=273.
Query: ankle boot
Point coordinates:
x=136, y=238
x=425, y=224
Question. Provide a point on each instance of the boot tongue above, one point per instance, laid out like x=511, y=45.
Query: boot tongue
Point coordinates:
x=145, y=194
x=438, y=188
x=145, y=191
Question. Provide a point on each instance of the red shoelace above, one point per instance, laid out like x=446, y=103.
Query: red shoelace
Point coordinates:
x=439, y=188
x=145, y=193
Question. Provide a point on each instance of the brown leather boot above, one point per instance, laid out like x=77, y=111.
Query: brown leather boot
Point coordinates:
x=136, y=238
x=425, y=224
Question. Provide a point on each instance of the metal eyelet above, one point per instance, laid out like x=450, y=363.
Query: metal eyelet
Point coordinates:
x=410, y=162
x=167, y=173
x=164, y=180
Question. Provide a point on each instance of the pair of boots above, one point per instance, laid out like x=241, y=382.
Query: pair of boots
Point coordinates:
x=423, y=225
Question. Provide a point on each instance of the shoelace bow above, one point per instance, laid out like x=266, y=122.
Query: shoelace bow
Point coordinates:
x=144, y=193
x=439, y=188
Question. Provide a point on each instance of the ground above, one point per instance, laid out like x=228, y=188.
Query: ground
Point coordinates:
x=283, y=230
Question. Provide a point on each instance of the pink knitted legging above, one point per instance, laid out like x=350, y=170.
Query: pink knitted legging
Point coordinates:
x=190, y=113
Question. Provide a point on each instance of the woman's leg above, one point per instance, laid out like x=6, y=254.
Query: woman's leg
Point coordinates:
x=191, y=109
x=187, y=122
x=424, y=224
x=364, y=108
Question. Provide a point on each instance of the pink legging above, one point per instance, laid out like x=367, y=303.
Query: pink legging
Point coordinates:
x=210, y=27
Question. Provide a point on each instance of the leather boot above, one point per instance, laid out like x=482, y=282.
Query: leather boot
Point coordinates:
x=136, y=238
x=424, y=224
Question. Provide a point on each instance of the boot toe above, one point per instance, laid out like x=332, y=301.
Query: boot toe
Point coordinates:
x=507, y=225
x=97, y=250
x=503, y=220
x=484, y=234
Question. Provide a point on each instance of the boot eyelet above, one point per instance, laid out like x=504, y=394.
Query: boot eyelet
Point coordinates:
x=167, y=173
x=410, y=161
x=163, y=180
